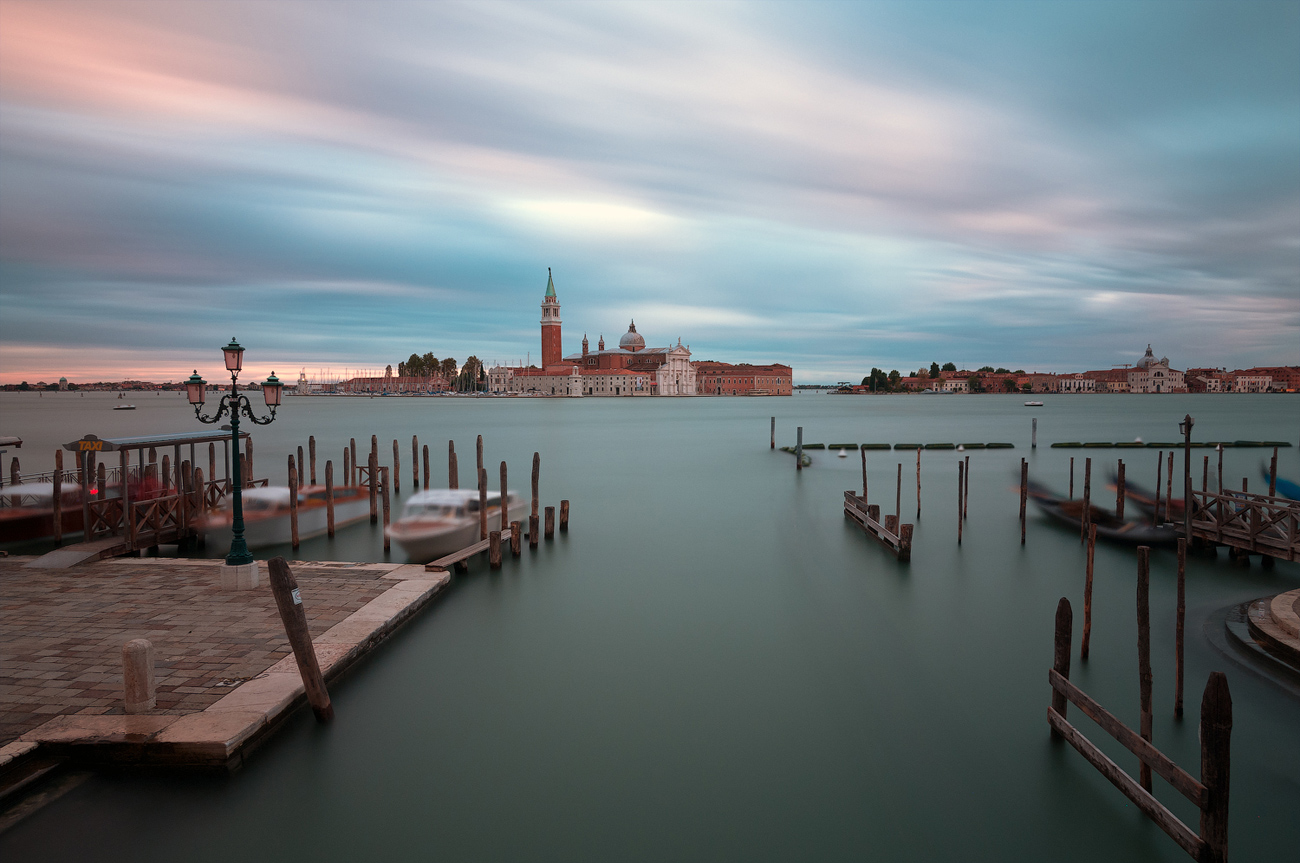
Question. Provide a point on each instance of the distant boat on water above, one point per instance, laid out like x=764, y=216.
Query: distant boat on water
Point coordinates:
x=124, y=407
x=1033, y=404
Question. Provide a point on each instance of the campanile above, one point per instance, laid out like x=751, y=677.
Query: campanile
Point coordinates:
x=551, y=350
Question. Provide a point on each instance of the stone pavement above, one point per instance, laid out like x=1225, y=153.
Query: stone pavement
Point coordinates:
x=62, y=631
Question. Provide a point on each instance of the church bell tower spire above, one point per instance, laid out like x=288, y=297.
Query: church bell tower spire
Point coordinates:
x=551, y=350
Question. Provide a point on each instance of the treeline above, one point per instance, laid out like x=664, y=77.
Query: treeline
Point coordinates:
x=880, y=381
x=470, y=377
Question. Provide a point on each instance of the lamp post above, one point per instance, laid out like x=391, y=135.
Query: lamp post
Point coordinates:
x=1185, y=428
x=234, y=404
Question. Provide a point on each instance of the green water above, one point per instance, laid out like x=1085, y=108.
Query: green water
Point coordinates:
x=714, y=664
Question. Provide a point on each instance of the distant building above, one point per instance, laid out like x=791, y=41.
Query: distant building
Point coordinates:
x=1109, y=380
x=1251, y=381
x=1281, y=378
x=1038, y=382
x=1152, y=375
x=1079, y=383
x=63, y=384
x=725, y=379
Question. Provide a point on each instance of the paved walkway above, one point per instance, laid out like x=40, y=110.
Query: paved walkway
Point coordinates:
x=62, y=631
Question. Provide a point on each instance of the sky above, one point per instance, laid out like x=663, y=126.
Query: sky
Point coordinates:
x=1048, y=186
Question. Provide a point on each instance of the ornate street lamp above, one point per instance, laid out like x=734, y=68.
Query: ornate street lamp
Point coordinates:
x=234, y=404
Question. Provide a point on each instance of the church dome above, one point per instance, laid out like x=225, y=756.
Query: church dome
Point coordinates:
x=632, y=340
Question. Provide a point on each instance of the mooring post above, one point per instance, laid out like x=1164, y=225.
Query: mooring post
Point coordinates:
x=1272, y=475
x=798, y=449
x=426, y=467
x=961, y=468
x=533, y=520
x=965, y=505
x=1216, y=764
x=397, y=468
x=1087, y=594
x=139, y=689
x=1085, y=517
x=352, y=451
x=311, y=455
x=478, y=452
x=482, y=505
x=248, y=454
x=1024, y=496
x=1219, y=486
x=1160, y=465
x=347, y=467
x=1071, y=478
x=415, y=462
x=329, y=497
x=494, y=549
x=516, y=538
x=1205, y=475
x=166, y=478
x=505, y=506
x=1120, y=492
x=1144, y=656
x=863, y=452
x=1169, y=488
x=372, y=463
x=200, y=499
x=1061, y=655
x=302, y=472
x=773, y=443
x=453, y=474
x=1033, y=441
x=898, y=493
x=1181, y=614
x=293, y=504
x=212, y=463
x=288, y=599
x=550, y=523
x=564, y=516
x=58, y=496
x=101, y=481
x=384, y=476
x=918, y=484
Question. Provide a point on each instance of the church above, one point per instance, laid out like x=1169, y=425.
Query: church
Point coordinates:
x=631, y=369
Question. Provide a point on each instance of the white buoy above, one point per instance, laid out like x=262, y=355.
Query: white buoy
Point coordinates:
x=843, y=454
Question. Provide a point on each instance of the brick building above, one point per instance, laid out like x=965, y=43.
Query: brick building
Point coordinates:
x=725, y=379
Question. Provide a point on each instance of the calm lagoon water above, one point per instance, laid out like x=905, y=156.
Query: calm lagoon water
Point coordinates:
x=714, y=664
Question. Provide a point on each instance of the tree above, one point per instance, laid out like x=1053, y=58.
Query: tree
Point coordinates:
x=949, y=367
x=894, y=378
x=975, y=383
x=986, y=368
x=1008, y=385
x=1002, y=371
x=1018, y=372
x=24, y=386
x=1029, y=388
x=934, y=370
x=448, y=368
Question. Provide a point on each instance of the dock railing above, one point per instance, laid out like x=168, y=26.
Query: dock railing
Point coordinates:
x=1255, y=522
x=897, y=538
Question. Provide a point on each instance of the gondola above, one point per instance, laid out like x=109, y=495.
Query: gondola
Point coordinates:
x=1070, y=512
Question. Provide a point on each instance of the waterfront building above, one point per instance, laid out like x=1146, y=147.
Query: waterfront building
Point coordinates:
x=725, y=379
x=1155, y=376
x=1251, y=381
x=1079, y=383
x=1038, y=382
x=1109, y=380
x=1281, y=378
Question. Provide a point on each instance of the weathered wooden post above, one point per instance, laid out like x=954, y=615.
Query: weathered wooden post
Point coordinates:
x=918, y=485
x=101, y=483
x=1071, y=477
x=863, y=452
x=898, y=493
x=1219, y=486
x=153, y=463
x=1216, y=763
x=453, y=474
x=494, y=549
x=1169, y=486
x=1272, y=475
x=798, y=449
x=329, y=497
x=961, y=469
x=246, y=472
x=1160, y=465
x=426, y=466
x=505, y=506
x=905, y=542
x=288, y=600
x=373, y=477
x=384, y=475
x=564, y=516
x=516, y=538
x=1033, y=440
x=1181, y=614
x=1120, y=492
x=1144, y=656
x=311, y=455
x=1205, y=475
x=166, y=477
x=293, y=503
x=1085, y=517
x=1087, y=593
x=15, y=473
x=1024, y=496
x=248, y=453
x=139, y=689
x=352, y=451
x=415, y=462
x=1061, y=656
x=302, y=465
x=397, y=468
x=550, y=523
x=212, y=463
x=773, y=443
x=200, y=504
x=533, y=524
x=965, y=506
x=347, y=472
x=478, y=453
x=482, y=505
x=58, y=496
x=83, y=469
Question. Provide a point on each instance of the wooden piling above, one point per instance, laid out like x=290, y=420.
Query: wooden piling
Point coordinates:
x=166, y=478
x=1216, y=762
x=1160, y=466
x=494, y=549
x=373, y=483
x=311, y=455
x=1144, y=656
x=347, y=465
x=537, y=475
x=101, y=483
x=1087, y=594
x=245, y=472
x=83, y=474
x=200, y=497
x=965, y=506
x=534, y=529
x=1219, y=486
x=58, y=496
x=773, y=443
x=153, y=463
x=564, y=516
x=918, y=484
x=415, y=463
x=453, y=474
x=1033, y=440
x=505, y=506
x=1121, y=492
x=550, y=523
x=516, y=538
x=212, y=462
x=1071, y=477
x=288, y=600
x=482, y=505
x=1024, y=496
x=863, y=452
x=1169, y=485
x=425, y=452
x=961, y=472
x=898, y=493
x=798, y=449
x=1061, y=656
x=1272, y=475
x=1085, y=517
x=352, y=451
x=1205, y=474
x=329, y=497
x=1180, y=615
x=293, y=503
x=478, y=454
x=302, y=473
x=248, y=454
x=397, y=468
x=384, y=477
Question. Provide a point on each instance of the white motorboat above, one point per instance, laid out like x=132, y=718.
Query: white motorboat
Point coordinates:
x=1033, y=404
x=437, y=522
x=266, y=514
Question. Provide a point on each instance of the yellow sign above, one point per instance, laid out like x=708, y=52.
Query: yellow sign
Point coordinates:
x=91, y=445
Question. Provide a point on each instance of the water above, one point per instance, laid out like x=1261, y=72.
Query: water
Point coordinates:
x=714, y=663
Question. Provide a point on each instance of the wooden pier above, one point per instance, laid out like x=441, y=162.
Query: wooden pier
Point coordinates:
x=897, y=538
x=1249, y=523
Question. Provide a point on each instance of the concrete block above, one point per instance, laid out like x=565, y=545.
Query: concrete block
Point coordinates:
x=140, y=694
x=246, y=577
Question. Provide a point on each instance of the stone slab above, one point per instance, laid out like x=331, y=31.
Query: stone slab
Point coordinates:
x=269, y=694
x=80, y=728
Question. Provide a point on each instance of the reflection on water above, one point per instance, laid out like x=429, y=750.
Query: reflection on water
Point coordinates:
x=714, y=663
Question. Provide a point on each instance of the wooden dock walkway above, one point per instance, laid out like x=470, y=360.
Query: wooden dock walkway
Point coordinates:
x=895, y=537
x=441, y=564
x=1250, y=523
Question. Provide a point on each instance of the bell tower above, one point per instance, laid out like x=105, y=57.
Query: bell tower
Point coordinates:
x=551, y=350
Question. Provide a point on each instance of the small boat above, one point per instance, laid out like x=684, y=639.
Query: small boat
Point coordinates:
x=124, y=407
x=27, y=511
x=439, y=521
x=266, y=514
x=1144, y=500
x=1070, y=512
x=1285, y=488
x=1033, y=404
